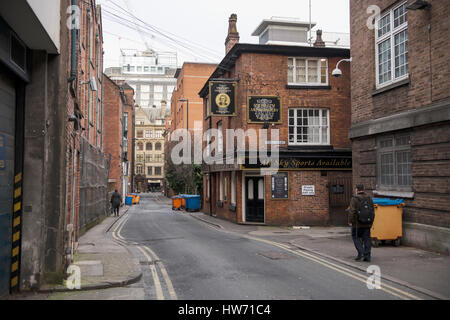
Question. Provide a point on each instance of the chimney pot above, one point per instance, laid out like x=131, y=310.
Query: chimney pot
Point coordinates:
x=319, y=42
x=233, y=34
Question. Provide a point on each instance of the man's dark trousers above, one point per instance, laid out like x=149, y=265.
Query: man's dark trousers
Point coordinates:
x=361, y=239
x=116, y=211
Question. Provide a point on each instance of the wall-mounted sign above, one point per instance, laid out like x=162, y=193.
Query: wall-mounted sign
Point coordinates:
x=300, y=163
x=2, y=152
x=263, y=109
x=308, y=191
x=280, y=185
x=222, y=98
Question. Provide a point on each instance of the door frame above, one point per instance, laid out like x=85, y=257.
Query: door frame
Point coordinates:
x=244, y=196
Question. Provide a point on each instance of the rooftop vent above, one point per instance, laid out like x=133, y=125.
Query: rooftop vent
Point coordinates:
x=276, y=30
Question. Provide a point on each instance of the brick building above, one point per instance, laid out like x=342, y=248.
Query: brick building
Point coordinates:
x=51, y=120
x=149, y=149
x=401, y=112
x=313, y=184
x=118, y=134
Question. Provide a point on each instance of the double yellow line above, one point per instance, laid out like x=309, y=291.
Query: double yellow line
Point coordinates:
x=401, y=294
x=153, y=260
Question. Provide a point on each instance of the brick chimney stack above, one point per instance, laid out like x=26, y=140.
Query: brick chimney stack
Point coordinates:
x=319, y=42
x=233, y=35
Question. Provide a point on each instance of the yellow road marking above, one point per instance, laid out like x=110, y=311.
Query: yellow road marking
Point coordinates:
x=330, y=265
x=15, y=266
x=17, y=193
x=159, y=292
x=166, y=277
x=18, y=178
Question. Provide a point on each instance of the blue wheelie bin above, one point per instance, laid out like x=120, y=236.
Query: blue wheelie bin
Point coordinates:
x=192, y=203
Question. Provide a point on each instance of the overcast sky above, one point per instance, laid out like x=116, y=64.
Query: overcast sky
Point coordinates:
x=205, y=23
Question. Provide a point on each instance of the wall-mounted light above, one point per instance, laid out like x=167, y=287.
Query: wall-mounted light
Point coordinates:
x=92, y=83
x=418, y=5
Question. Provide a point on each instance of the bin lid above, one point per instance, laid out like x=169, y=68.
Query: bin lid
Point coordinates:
x=388, y=202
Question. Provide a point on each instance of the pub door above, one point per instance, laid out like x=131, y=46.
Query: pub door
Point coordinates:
x=254, y=203
x=340, y=191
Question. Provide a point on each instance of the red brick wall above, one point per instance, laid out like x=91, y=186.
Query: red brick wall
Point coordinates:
x=425, y=86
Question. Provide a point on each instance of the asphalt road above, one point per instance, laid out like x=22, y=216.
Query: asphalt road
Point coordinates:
x=184, y=258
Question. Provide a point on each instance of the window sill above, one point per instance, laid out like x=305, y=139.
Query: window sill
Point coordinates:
x=308, y=87
x=391, y=86
x=394, y=194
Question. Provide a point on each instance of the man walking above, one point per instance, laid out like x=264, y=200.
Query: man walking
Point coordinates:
x=361, y=218
x=116, y=201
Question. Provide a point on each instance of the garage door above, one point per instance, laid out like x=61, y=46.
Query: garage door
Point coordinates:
x=7, y=120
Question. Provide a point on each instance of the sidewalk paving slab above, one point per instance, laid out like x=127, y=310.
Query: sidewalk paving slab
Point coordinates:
x=120, y=267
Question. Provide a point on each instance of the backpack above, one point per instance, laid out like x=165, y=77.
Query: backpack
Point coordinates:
x=366, y=212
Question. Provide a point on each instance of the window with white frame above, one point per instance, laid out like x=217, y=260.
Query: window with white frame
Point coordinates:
x=140, y=121
x=307, y=71
x=221, y=187
x=148, y=133
x=233, y=187
x=394, y=162
x=391, y=36
x=309, y=126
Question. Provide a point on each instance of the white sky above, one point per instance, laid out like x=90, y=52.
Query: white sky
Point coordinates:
x=205, y=22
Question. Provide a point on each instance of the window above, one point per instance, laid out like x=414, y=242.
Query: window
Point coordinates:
x=221, y=187
x=146, y=69
x=302, y=71
x=394, y=162
x=140, y=146
x=158, y=171
x=125, y=123
x=158, y=157
x=148, y=158
x=309, y=126
x=208, y=186
x=149, y=134
x=149, y=171
x=139, y=69
x=149, y=146
x=140, y=134
x=391, y=38
x=139, y=169
x=139, y=158
x=140, y=121
x=158, y=134
x=158, y=146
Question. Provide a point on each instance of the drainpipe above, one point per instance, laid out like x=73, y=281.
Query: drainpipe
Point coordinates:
x=73, y=70
x=101, y=103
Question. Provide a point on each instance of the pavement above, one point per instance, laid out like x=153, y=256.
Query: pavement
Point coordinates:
x=424, y=271
x=109, y=264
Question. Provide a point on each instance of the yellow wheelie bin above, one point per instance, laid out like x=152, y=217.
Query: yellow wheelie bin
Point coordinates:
x=387, y=225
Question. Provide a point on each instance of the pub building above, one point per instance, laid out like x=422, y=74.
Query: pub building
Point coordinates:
x=286, y=86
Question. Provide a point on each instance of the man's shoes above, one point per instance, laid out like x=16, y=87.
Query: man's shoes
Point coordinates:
x=366, y=259
x=359, y=257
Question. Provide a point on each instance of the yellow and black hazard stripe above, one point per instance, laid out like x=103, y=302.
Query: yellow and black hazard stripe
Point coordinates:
x=16, y=233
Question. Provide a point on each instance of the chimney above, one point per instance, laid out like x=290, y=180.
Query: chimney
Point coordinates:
x=319, y=42
x=233, y=35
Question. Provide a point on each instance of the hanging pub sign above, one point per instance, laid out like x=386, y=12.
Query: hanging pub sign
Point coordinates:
x=280, y=185
x=263, y=109
x=222, y=98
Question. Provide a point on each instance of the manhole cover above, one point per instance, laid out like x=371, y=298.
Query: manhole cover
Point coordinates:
x=276, y=255
x=148, y=263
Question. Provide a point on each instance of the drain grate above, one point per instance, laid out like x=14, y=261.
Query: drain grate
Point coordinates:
x=148, y=263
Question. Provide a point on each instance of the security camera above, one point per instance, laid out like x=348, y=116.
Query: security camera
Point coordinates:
x=336, y=73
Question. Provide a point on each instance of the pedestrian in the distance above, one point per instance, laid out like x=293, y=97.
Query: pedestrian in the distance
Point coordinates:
x=361, y=217
x=116, y=201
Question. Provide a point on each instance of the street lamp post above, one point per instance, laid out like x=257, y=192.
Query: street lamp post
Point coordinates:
x=187, y=111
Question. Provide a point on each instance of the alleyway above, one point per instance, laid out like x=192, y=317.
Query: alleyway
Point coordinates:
x=184, y=258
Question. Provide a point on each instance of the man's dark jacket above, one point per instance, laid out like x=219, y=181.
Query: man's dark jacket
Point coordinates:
x=116, y=200
x=355, y=204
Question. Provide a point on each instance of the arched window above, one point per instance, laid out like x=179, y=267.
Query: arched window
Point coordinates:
x=158, y=146
x=140, y=146
x=149, y=146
